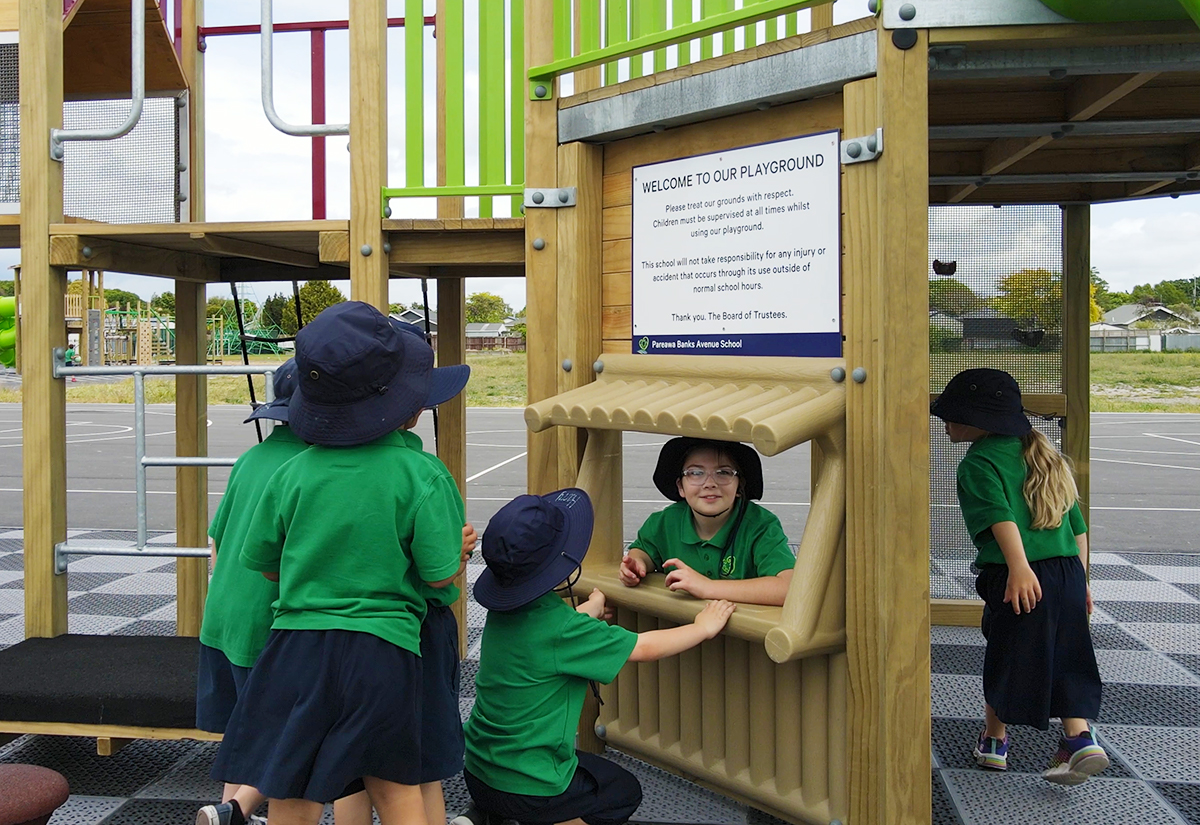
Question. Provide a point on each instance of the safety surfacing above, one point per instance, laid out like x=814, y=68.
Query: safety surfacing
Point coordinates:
x=1146, y=632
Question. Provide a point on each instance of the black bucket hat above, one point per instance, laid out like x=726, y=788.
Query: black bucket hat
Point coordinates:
x=360, y=377
x=446, y=382
x=984, y=398
x=531, y=545
x=670, y=465
x=285, y=385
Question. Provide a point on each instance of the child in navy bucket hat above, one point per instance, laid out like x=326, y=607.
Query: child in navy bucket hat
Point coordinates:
x=1019, y=501
x=357, y=528
x=538, y=656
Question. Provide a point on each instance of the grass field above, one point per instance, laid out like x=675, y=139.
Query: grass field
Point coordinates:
x=1121, y=382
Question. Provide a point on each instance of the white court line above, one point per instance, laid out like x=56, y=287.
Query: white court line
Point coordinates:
x=1147, y=464
x=114, y=492
x=1172, y=438
x=1143, y=452
x=496, y=467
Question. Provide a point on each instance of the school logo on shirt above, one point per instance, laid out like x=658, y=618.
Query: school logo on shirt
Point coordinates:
x=727, y=566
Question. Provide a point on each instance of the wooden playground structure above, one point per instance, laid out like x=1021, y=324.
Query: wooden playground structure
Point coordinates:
x=817, y=711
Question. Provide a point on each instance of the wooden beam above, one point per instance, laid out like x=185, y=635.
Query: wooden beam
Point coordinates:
x=68, y=251
x=43, y=411
x=505, y=271
x=368, y=150
x=238, y=248
x=956, y=612
x=111, y=745
x=822, y=17
x=1191, y=163
x=237, y=270
x=9, y=16
x=193, y=72
x=1076, y=346
x=191, y=439
x=334, y=247
x=112, y=731
x=1086, y=98
x=887, y=559
x=452, y=415
x=460, y=247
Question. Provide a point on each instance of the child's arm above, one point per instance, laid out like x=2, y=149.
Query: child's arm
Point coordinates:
x=1082, y=542
x=469, y=538
x=1023, y=590
x=770, y=590
x=659, y=644
x=634, y=567
x=595, y=606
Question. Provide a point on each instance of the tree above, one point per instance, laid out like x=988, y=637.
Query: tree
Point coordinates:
x=486, y=308
x=163, y=303
x=1094, y=311
x=1168, y=293
x=116, y=297
x=7, y=288
x=272, y=311
x=1032, y=294
x=952, y=297
x=396, y=309
x=314, y=297
x=1185, y=311
x=218, y=307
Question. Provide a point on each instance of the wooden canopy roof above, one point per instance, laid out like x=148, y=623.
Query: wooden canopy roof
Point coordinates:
x=96, y=51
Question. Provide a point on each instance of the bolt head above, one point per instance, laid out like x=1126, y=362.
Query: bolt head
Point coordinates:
x=387, y=211
x=539, y=244
x=598, y=367
x=1058, y=74
x=854, y=149
x=366, y=250
x=538, y=197
x=838, y=374
x=658, y=127
x=872, y=144
x=908, y=11
x=567, y=365
x=539, y=91
x=873, y=6
x=387, y=248
x=87, y=251
x=859, y=375
x=563, y=196
x=601, y=731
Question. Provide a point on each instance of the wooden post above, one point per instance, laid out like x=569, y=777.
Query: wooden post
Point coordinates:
x=1076, y=344
x=193, y=71
x=43, y=408
x=822, y=17
x=452, y=416
x=541, y=266
x=368, y=150
x=887, y=613
x=191, y=439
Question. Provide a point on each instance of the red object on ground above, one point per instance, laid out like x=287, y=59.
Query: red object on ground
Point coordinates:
x=29, y=794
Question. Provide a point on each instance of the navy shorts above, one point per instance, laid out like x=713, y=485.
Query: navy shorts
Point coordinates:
x=1039, y=665
x=321, y=710
x=600, y=793
x=219, y=683
x=441, y=725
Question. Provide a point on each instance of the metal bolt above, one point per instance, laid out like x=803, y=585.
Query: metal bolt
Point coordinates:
x=872, y=144
x=598, y=367
x=601, y=731
x=387, y=248
x=838, y=374
x=181, y=167
x=873, y=6
x=1058, y=74
x=387, y=211
x=87, y=251
x=563, y=196
x=180, y=102
x=908, y=11
x=853, y=149
x=366, y=250
x=539, y=91
x=180, y=196
x=762, y=105
x=658, y=127
x=539, y=244
x=538, y=197
x=859, y=375
x=1057, y=135
x=56, y=151
x=567, y=365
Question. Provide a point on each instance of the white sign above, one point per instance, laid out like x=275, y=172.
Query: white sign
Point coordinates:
x=738, y=252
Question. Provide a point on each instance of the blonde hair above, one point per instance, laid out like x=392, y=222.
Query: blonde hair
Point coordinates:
x=1049, y=483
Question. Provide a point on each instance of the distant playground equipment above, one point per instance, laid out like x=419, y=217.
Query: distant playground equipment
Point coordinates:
x=8, y=331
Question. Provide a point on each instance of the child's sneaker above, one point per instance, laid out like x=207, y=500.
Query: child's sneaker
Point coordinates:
x=471, y=816
x=223, y=813
x=992, y=753
x=1078, y=758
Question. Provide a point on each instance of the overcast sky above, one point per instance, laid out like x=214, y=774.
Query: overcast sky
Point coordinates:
x=256, y=173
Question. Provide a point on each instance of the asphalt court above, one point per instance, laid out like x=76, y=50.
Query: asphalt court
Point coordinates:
x=1144, y=472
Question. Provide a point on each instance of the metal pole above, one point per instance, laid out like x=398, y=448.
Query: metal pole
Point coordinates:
x=139, y=440
x=268, y=88
x=318, y=116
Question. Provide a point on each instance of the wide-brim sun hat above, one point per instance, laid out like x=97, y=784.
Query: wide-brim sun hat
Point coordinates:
x=446, y=382
x=285, y=385
x=985, y=398
x=670, y=465
x=532, y=545
x=360, y=378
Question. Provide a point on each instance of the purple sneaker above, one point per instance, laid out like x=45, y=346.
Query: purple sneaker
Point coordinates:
x=992, y=753
x=1078, y=759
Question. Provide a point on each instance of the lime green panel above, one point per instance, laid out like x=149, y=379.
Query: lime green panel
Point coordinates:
x=1120, y=11
x=491, y=99
x=562, y=28
x=414, y=95
x=516, y=101
x=451, y=35
x=589, y=26
x=681, y=14
x=617, y=31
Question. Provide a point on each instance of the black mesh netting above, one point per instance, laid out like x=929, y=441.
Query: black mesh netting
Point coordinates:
x=995, y=300
x=132, y=179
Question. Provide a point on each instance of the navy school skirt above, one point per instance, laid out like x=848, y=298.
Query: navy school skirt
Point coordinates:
x=1039, y=665
x=219, y=683
x=441, y=726
x=321, y=710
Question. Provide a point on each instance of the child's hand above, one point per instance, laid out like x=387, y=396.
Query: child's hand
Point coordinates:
x=470, y=539
x=1089, y=600
x=632, y=571
x=1024, y=590
x=595, y=606
x=714, y=617
x=686, y=579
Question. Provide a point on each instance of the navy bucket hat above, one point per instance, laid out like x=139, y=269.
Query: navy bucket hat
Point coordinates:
x=673, y=453
x=531, y=545
x=446, y=382
x=984, y=398
x=285, y=385
x=360, y=378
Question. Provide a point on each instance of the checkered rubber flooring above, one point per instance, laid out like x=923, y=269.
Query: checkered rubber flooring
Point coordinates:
x=1146, y=631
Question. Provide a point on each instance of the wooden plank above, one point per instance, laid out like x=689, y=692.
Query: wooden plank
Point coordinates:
x=110, y=745
x=617, y=322
x=956, y=612
x=822, y=17
x=617, y=255
x=618, y=189
x=1191, y=163
x=334, y=247
x=508, y=223
x=191, y=439
x=43, y=413
x=368, y=150
x=615, y=345
x=616, y=289
x=112, y=731
x=251, y=250
x=193, y=72
x=9, y=16
x=1076, y=345
x=541, y=270
x=69, y=251
x=479, y=223
x=1070, y=34
x=618, y=222
x=458, y=247
x=452, y=415
x=97, y=55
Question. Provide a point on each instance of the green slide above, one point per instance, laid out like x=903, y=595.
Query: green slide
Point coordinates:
x=1121, y=11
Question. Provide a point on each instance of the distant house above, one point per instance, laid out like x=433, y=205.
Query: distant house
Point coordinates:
x=417, y=316
x=487, y=330
x=945, y=322
x=987, y=329
x=1128, y=314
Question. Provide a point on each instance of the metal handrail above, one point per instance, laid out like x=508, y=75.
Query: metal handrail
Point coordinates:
x=63, y=550
x=268, y=87
x=137, y=81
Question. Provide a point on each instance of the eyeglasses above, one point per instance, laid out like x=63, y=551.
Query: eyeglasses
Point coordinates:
x=696, y=477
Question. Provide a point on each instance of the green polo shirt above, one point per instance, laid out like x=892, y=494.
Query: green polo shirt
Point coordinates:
x=448, y=595
x=353, y=532
x=237, y=612
x=759, y=549
x=990, y=477
x=533, y=676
